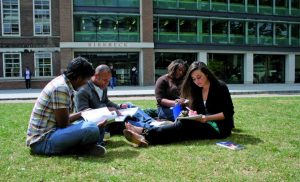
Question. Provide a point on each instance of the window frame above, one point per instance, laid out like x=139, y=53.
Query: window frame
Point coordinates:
x=41, y=25
x=4, y=66
x=2, y=22
x=36, y=67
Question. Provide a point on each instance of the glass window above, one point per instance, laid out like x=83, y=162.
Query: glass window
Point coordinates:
x=163, y=59
x=105, y=28
x=123, y=62
x=227, y=67
x=204, y=5
x=266, y=6
x=220, y=31
x=109, y=3
x=282, y=37
x=282, y=7
x=295, y=7
x=128, y=28
x=219, y=5
x=205, y=36
x=237, y=32
x=252, y=33
x=237, y=5
x=10, y=17
x=12, y=65
x=265, y=33
x=43, y=64
x=252, y=6
x=42, y=17
x=188, y=4
x=187, y=30
x=166, y=4
x=297, y=69
x=295, y=30
x=269, y=69
x=168, y=29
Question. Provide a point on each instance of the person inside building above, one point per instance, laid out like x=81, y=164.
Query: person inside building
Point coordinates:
x=167, y=89
x=134, y=76
x=27, y=77
x=207, y=96
x=94, y=95
x=53, y=127
x=113, y=79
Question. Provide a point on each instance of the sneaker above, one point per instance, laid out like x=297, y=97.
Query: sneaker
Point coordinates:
x=97, y=150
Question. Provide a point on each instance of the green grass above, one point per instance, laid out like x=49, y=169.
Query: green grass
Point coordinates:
x=269, y=128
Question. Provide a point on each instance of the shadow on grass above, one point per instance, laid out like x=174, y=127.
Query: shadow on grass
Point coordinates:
x=237, y=136
x=244, y=139
x=110, y=156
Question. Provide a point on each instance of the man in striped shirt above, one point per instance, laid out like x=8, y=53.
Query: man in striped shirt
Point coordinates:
x=53, y=127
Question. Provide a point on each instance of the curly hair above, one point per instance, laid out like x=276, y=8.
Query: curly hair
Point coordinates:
x=79, y=67
x=173, y=66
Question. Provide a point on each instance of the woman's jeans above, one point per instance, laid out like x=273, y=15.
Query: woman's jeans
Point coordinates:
x=165, y=113
x=142, y=119
x=78, y=135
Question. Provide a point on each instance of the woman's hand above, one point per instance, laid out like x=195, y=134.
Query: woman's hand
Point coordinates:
x=203, y=119
x=180, y=101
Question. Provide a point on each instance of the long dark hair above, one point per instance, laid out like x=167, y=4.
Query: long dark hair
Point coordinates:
x=189, y=89
x=173, y=66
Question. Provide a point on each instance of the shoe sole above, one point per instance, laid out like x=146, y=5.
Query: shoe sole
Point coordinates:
x=130, y=136
x=97, y=151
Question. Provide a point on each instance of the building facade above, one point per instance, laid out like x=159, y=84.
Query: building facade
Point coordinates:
x=242, y=41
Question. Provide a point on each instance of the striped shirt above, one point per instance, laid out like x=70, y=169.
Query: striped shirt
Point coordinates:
x=56, y=95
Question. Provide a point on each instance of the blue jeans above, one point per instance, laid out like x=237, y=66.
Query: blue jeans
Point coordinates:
x=113, y=82
x=165, y=113
x=142, y=120
x=78, y=135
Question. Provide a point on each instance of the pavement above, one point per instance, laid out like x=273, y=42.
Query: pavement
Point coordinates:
x=148, y=91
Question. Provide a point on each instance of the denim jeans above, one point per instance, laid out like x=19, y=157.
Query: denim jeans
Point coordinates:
x=78, y=135
x=165, y=113
x=113, y=82
x=142, y=120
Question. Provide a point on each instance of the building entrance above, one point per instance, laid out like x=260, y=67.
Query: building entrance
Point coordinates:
x=123, y=63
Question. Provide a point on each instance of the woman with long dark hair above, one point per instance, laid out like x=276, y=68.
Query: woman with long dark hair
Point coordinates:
x=207, y=96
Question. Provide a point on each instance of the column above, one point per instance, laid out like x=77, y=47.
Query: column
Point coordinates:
x=290, y=68
x=66, y=31
x=147, y=66
x=248, y=68
x=202, y=56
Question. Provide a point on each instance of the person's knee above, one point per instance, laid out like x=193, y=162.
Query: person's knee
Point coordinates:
x=91, y=130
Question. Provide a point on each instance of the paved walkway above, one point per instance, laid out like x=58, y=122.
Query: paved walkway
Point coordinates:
x=143, y=91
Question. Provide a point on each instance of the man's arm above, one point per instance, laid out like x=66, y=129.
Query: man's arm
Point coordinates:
x=82, y=100
x=63, y=118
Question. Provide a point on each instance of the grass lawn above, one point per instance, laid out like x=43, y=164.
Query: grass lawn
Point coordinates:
x=268, y=127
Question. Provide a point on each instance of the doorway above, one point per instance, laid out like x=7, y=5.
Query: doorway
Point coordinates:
x=123, y=62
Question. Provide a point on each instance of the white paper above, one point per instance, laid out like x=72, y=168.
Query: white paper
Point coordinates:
x=125, y=113
x=97, y=115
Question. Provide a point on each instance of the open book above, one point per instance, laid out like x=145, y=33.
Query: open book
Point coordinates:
x=129, y=112
x=102, y=114
x=190, y=117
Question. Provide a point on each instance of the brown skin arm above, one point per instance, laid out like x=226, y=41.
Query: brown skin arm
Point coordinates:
x=63, y=118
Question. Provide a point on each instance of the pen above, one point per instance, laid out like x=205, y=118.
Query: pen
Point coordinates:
x=188, y=108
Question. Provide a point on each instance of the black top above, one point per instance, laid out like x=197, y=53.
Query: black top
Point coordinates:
x=218, y=100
